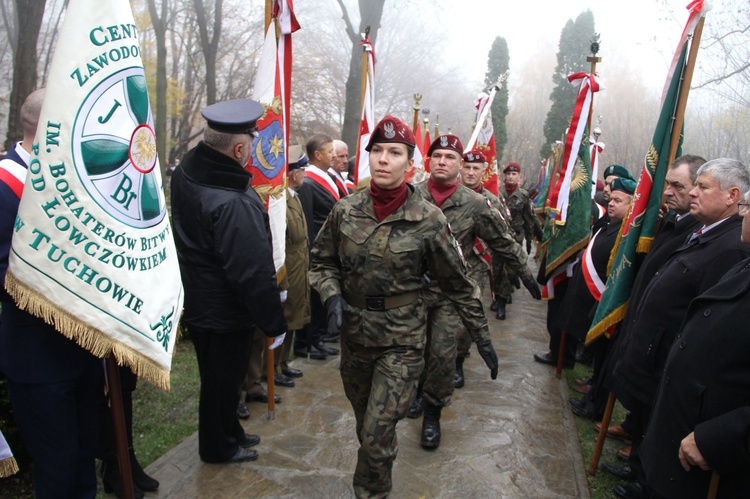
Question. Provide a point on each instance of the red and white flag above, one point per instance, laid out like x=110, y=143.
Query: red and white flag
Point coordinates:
x=486, y=143
x=596, y=151
x=417, y=172
x=425, y=148
x=367, y=117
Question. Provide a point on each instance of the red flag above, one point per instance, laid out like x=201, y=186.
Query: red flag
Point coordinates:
x=426, y=147
x=417, y=173
x=486, y=143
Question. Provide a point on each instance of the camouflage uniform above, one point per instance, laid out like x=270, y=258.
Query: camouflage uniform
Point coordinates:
x=470, y=216
x=379, y=268
x=524, y=223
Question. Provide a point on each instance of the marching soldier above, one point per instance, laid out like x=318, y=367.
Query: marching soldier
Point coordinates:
x=470, y=216
x=369, y=263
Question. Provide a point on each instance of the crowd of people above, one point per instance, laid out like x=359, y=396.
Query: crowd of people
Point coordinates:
x=393, y=274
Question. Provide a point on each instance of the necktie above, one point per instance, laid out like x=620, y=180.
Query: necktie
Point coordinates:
x=694, y=237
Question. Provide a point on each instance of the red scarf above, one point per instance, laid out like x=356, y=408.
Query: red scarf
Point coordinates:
x=441, y=192
x=510, y=189
x=478, y=188
x=387, y=201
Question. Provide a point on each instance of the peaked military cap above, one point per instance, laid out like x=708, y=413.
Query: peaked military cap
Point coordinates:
x=391, y=129
x=297, y=158
x=233, y=116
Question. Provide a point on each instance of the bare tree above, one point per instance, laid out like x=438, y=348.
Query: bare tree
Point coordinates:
x=209, y=42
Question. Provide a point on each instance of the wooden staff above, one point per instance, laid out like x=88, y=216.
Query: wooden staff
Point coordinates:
x=270, y=370
x=602, y=435
x=561, y=354
x=118, y=423
x=713, y=487
x=593, y=59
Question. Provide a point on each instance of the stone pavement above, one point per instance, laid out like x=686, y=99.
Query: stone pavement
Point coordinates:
x=510, y=438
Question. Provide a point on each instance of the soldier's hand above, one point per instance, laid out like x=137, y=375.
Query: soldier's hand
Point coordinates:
x=335, y=313
x=487, y=351
x=514, y=280
x=533, y=287
x=538, y=234
x=528, y=246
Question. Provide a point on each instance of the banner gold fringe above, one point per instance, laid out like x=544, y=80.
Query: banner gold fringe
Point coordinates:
x=602, y=326
x=575, y=248
x=8, y=467
x=644, y=244
x=87, y=336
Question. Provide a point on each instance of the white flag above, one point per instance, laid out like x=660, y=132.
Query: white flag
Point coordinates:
x=92, y=249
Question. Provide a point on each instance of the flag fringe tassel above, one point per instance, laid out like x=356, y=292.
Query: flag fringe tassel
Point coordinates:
x=8, y=467
x=575, y=248
x=87, y=336
x=644, y=244
x=602, y=326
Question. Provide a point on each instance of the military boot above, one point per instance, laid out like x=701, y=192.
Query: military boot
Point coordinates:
x=417, y=407
x=431, y=426
x=458, y=378
x=500, y=309
x=494, y=305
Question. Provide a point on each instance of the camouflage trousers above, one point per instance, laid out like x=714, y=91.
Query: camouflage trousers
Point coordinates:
x=501, y=286
x=380, y=383
x=443, y=326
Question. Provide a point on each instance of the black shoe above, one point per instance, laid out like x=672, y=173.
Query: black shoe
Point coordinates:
x=248, y=440
x=494, y=305
x=111, y=480
x=630, y=490
x=312, y=353
x=431, y=427
x=577, y=402
x=242, y=455
x=619, y=470
x=326, y=350
x=282, y=380
x=262, y=397
x=242, y=411
x=500, y=309
x=291, y=372
x=458, y=378
x=330, y=338
x=417, y=407
x=549, y=359
x=143, y=481
x=582, y=412
x=509, y=300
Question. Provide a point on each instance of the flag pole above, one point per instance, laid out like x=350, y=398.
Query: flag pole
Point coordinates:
x=118, y=424
x=362, y=90
x=485, y=111
x=593, y=59
x=417, y=98
x=687, y=78
x=269, y=353
x=437, y=125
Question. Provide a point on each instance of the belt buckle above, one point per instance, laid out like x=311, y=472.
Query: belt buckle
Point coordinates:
x=375, y=303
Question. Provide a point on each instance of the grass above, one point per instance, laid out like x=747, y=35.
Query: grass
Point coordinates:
x=601, y=484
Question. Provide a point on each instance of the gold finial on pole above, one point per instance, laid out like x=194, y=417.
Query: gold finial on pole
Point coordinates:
x=437, y=125
x=593, y=59
x=417, y=98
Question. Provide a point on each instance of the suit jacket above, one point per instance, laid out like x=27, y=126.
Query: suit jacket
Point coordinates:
x=689, y=271
x=706, y=389
x=317, y=203
x=578, y=306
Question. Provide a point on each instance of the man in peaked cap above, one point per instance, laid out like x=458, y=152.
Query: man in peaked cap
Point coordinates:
x=224, y=246
x=470, y=217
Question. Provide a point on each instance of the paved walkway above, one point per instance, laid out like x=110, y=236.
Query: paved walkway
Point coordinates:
x=510, y=438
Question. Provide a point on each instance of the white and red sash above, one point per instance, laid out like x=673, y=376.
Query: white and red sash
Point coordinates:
x=322, y=179
x=14, y=175
x=559, y=275
x=339, y=181
x=593, y=281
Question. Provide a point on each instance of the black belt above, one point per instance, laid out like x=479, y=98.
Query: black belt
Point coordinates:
x=380, y=303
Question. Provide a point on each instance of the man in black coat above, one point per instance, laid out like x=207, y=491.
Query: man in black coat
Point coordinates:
x=317, y=194
x=691, y=269
x=701, y=417
x=224, y=245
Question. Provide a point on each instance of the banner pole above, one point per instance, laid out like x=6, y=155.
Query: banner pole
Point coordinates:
x=118, y=423
x=270, y=380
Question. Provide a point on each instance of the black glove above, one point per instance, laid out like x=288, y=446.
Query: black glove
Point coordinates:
x=528, y=246
x=335, y=308
x=538, y=234
x=514, y=280
x=533, y=287
x=487, y=351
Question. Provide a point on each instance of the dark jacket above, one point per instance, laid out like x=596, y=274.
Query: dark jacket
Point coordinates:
x=579, y=305
x=224, y=246
x=317, y=203
x=690, y=270
x=706, y=389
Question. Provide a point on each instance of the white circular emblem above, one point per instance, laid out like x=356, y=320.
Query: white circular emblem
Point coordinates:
x=114, y=150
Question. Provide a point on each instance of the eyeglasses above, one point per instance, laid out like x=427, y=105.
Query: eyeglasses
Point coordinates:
x=743, y=207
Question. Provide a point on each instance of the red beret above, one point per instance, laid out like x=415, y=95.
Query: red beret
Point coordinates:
x=391, y=129
x=475, y=156
x=512, y=167
x=448, y=141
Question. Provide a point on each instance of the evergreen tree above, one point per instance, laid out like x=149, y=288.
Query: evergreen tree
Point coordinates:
x=575, y=41
x=498, y=63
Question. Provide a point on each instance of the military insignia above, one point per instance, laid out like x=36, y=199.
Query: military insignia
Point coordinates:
x=470, y=156
x=388, y=130
x=443, y=141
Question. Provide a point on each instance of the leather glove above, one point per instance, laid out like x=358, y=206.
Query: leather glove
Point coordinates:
x=335, y=309
x=538, y=234
x=277, y=341
x=528, y=246
x=487, y=351
x=514, y=280
x=533, y=287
